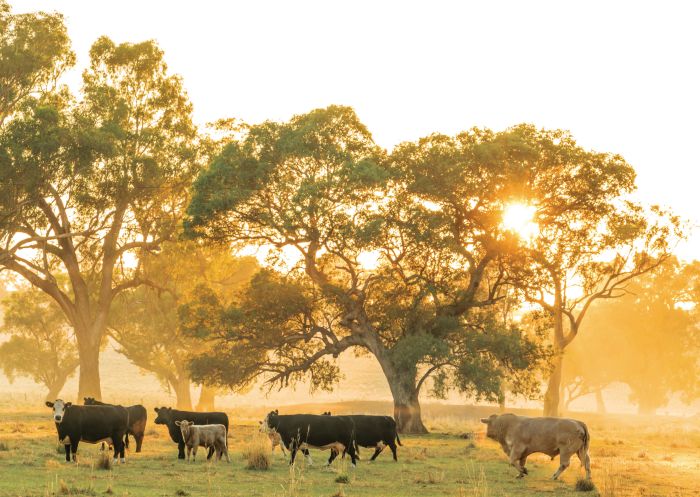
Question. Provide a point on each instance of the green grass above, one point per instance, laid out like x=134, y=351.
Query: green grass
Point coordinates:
x=432, y=465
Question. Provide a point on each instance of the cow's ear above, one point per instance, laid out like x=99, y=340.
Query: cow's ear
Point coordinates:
x=68, y=404
x=156, y=409
x=259, y=422
x=485, y=420
x=178, y=423
x=49, y=404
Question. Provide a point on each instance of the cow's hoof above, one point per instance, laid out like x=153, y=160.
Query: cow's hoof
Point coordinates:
x=525, y=472
x=521, y=475
x=123, y=460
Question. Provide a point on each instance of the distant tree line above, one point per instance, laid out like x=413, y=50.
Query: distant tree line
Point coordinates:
x=125, y=219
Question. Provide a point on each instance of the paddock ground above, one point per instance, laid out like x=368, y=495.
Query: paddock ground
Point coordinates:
x=631, y=456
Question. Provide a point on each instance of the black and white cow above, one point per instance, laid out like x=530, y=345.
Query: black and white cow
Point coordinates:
x=92, y=424
x=137, y=421
x=304, y=431
x=168, y=416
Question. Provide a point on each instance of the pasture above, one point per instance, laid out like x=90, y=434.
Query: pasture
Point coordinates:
x=637, y=457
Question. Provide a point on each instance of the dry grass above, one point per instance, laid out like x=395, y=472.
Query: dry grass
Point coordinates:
x=258, y=454
x=104, y=461
x=584, y=485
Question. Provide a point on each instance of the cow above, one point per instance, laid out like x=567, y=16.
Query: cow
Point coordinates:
x=304, y=431
x=521, y=436
x=137, y=421
x=92, y=424
x=209, y=436
x=168, y=416
x=374, y=432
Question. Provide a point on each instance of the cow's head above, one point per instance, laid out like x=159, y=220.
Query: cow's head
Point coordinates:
x=185, y=428
x=59, y=409
x=490, y=423
x=165, y=415
x=270, y=423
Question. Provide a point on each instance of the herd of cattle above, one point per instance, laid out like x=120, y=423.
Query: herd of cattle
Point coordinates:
x=96, y=422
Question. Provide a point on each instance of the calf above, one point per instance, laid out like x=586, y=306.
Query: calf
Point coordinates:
x=92, y=424
x=137, y=421
x=521, y=436
x=303, y=431
x=168, y=416
x=209, y=436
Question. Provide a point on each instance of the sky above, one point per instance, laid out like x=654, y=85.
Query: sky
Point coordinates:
x=623, y=77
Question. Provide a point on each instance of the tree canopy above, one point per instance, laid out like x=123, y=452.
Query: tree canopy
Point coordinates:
x=319, y=185
x=89, y=183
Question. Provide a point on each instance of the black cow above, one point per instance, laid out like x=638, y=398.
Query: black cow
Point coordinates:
x=302, y=431
x=376, y=432
x=137, y=421
x=92, y=424
x=167, y=416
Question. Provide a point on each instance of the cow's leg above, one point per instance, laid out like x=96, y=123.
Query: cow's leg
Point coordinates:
x=224, y=449
x=585, y=460
x=139, y=441
x=515, y=454
x=307, y=456
x=66, y=449
x=122, y=448
x=210, y=452
x=74, y=448
x=377, y=450
x=293, y=450
x=126, y=440
x=392, y=446
x=522, y=461
x=564, y=459
x=181, y=450
x=353, y=454
x=195, y=447
x=334, y=454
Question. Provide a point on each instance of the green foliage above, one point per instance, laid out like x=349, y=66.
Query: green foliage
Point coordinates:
x=144, y=321
x=320, y=186
x=93, y=182
x=40, y=345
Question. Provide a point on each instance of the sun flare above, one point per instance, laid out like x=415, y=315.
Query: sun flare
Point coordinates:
x=518, y=217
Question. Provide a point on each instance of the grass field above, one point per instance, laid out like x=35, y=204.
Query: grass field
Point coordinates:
x=635, y=457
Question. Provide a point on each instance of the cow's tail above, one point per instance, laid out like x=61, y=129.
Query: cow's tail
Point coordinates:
x=398, y=440
x=586, y=437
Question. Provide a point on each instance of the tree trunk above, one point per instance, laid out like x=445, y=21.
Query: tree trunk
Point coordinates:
x=406, y=405
x=207, y=396
x=182, y=393
x=89, y=375
x=553, y=394
x=600, y=402
x=502, y=398
x=54, y=391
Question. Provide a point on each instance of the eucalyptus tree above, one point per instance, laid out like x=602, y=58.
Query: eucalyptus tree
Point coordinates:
x=319, y=185
x=144, y=321
x=647, y=339
x=89, y=185
x=40, y=344
x=591, y=240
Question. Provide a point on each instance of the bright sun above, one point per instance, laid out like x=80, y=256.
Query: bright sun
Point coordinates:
x=518, y=217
